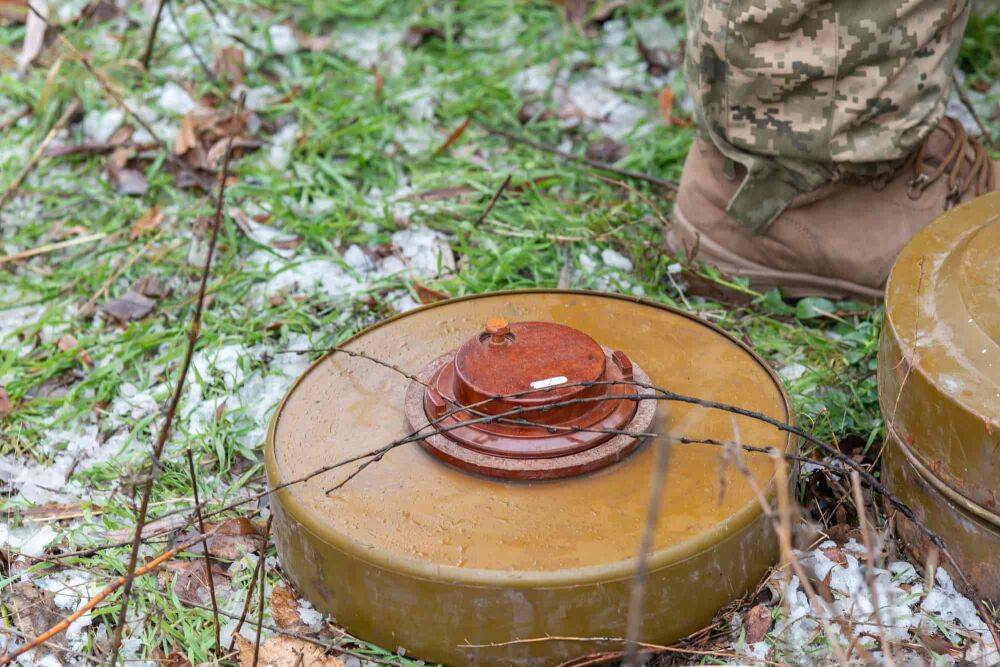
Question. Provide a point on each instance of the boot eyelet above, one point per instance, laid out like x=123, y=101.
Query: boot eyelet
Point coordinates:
x=915, y=188
x=951, y=199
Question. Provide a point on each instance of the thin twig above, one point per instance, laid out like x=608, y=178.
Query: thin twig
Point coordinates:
x=94, y=601
x=51, y=247
x=161, y=440
x=595, y=164
x=493, y=200
x=249, y=597
x=186, y=38
x=971, y=108
x=84, y=59
x=866, y=538
x=71, y=110
x=208, y=556
x=147, y=55
x=260, y=601
x=655, y=647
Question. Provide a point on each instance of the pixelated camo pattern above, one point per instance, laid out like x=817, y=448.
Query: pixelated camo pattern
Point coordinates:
x=808, y=89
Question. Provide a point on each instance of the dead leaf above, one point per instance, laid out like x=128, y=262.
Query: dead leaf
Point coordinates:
x=427, y=295
x=68, y=342
x=823, y=586
x=606, y=150
x=54, y=512
x=175, y=659
x=757, y=623
x=34, y=34
x=285, y=610
x=836, y=555
x=118, y=159
x=281, y=651
x=4, y=403
x=233, y=538
x=186, y=137
x=152, y=287
x=146, y=222
x=128, y=307
x=455, y=135
x=191, y=582
x=418, y=35
x=228, y=64
x=33, y=610
x=667, y=104
x=130, y=182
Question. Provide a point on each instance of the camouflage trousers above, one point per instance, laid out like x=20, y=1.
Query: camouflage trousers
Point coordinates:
x=803, y=92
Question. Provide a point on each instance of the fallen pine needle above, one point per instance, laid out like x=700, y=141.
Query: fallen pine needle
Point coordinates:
x=50, y=247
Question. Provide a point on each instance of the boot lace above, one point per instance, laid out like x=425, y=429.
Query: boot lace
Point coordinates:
x=979, y=176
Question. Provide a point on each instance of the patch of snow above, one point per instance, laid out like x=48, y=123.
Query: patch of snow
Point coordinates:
x=616, y=260
x=358, y=259
x=282, y=144
x=792, y=371
x=30, y=540
x=417, y=138
x=377, y=46
x=308, y=615
x=98, y=126
x=283, y=39
x=175, y=99
x=425, y=250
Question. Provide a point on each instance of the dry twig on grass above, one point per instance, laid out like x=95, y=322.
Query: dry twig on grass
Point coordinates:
x=161, y=439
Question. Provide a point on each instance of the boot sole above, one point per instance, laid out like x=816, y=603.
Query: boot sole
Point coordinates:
x=791, y=283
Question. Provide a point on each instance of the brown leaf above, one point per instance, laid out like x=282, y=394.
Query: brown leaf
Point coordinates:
x=284, y=610
x=667, y=104
x=130, y=306
x=175, y=659
x=427, y=295
x=823, y=587
x=417, y=35
x=757, y=623
x=281, y=651
x=187, y=138
x=146, y=222
x=191, y=583
x=4, y=403
x=606, y=150
x=54, y=512
x=836, y=555
x=33, y=610
x=68, y=342
x=118, y=159
x=228, y=64
x=129, y=182
x=152, y=287
x=233, y=538
x=121, y=135
x=455, y=135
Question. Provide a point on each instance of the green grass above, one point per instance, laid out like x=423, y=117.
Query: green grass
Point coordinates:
x=552, y=214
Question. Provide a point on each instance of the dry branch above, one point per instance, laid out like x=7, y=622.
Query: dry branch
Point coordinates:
x=96, y=600
x=161, y=440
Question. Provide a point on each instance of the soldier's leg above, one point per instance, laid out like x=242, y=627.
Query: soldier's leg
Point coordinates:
x=803, y=104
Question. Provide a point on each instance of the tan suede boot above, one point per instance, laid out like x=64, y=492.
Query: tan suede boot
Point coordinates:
x=839, y=240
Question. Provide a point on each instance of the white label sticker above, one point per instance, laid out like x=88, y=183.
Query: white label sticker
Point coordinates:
x=548, y=382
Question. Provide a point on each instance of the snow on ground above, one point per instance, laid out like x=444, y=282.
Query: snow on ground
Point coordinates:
x=904, y=611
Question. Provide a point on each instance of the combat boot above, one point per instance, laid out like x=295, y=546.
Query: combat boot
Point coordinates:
x=839, y=240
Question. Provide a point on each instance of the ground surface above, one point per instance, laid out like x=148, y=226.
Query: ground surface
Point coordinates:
x=359, y=191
